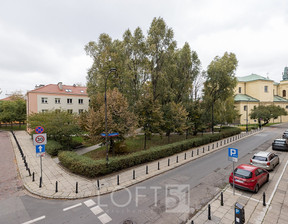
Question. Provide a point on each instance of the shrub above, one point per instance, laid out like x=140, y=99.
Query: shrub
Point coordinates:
x=53, y=147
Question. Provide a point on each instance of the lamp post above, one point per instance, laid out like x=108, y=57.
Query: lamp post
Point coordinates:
x=105, y=100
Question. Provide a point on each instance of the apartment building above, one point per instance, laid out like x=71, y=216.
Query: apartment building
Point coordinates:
x=73, y=99
x=254, y=90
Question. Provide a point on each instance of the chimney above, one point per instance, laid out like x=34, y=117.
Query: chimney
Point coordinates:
x=60, y=85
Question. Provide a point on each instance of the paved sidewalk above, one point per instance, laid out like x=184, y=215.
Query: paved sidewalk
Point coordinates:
x=67, y=181
x=275, y=211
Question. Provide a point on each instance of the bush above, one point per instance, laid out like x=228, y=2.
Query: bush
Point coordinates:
x=92, y=168
x=53, y=147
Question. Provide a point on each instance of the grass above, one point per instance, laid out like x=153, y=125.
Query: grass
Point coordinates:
x=136, y=143
x=15, y=127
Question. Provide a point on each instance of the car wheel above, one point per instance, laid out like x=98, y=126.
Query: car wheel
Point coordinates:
x=256, y=188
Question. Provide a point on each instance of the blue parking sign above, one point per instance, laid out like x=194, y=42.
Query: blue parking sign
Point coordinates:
x=232, y=152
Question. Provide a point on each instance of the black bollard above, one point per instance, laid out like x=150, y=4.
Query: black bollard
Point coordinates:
x=146, y=169
x=192, y=222
x=98, y=184
x=33, y=177
x=185, y=156
x=217, y=145
x=176, y=159
x=133, y=174
x=158, y=165
x=192, y=153
x=197, y=152
x=29, y=172
x=76, y=188
x=222, y=203
x=168, y=162
x=264, y=199
x=209, y=212
x=40, y=184
x=56, y=186
x=118, y=181
x=203, y=149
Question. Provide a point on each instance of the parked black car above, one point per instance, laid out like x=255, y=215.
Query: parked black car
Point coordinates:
x=280, y=144
x=285, y=134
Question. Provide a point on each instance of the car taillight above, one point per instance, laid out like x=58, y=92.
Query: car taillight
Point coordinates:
x=268, y=163
x=249, y=180
x=250, y=160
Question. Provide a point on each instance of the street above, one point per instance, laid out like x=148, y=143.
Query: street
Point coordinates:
x=172, y=197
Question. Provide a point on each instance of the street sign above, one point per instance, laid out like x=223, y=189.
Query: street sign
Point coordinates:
x=40, y=150
x=39, y=130
x=232, y=152
x=39, y=139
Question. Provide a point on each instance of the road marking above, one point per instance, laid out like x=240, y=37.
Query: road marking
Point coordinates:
x=96, y=210
x=73, y=206
x=241, y=195
x=104, y=218
x=261, y=216
x=35, y=220
x=89, y=203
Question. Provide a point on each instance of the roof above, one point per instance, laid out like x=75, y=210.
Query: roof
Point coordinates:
x=244, y=97
x=252, y=77
x=279, y=99
x=247, y=167
x=66, y=89
x=6, y=99
x=262, y=153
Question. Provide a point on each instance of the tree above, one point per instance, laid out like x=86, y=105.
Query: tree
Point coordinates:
x=175, y=116
x=59, y=125
x=265, y=113
x=220, y=82
x=119, y=118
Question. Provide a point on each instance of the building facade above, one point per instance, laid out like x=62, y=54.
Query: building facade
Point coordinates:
x=254, y=90
x=73, y=99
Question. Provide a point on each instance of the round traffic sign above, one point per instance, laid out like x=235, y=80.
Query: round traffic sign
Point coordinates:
x=39, y=130
x=40, y=139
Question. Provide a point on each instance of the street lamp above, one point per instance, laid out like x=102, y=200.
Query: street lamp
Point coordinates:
x=105, y=99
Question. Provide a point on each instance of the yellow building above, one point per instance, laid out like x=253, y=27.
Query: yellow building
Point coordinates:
x=254, y=90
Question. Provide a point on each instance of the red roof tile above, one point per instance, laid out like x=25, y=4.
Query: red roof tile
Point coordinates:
x=53, y=88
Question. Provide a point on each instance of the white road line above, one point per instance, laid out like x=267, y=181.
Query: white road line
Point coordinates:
x=261, y=216
x=89, y=203
x=73, y=206
x=241, y=195
x=96, y=210
x=35, y=220
x=104, y=218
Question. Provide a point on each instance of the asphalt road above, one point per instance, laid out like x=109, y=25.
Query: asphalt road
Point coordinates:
x=171, y=197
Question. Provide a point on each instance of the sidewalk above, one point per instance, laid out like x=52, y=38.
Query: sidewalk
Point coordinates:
x=275, y=211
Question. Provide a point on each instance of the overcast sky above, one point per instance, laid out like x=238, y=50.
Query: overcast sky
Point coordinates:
x=42, y=41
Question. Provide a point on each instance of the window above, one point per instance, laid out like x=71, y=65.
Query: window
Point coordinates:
x=69, y=101
x=284, y=93
x=57, y=100
x=80, y=101
x=81, y=111
x=69, y=111
x=266, y=89
x=239, y=89
x=245, y=108
x=44, y=100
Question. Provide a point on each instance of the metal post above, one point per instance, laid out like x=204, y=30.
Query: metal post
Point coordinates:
x=146, y=169
x=29, y=172
x=197, y=152
x=158, y=165
x=41, y=166
x=118, y=181
x=98, y=184
x=56, y=186
x=185, y=156
x=168, y=162
x=76, y=187
x=203, y=149
x=133, y=174
x=233, y=180
x=264, y=197
x=222, y=203
x=209, y=212
x=40, y=184
x=192, y=153
x=33, y=177
x=176, y=159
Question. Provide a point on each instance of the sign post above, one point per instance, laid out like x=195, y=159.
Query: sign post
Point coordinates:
x=233, y=155
x=39, y=140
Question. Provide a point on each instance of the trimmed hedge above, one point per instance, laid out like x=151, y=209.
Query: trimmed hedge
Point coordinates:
x=93, y=168
x=53, y=147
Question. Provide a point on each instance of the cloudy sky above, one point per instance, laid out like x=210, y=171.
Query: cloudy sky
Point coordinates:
x=42, y=41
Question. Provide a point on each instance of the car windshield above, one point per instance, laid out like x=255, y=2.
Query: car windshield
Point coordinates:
x=260, y=158
x=242, y=173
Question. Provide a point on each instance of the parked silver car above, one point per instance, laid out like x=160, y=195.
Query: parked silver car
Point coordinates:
x=265, y=160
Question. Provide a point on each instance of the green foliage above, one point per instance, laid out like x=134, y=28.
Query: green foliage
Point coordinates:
x=52, y=147
x=93, y=168
x=59, y=126
x=265, y=113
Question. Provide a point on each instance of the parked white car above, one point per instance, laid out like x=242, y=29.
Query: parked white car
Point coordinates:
x=265, y=160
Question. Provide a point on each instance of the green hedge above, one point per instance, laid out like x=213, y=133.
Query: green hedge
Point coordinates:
x=92, y=168
x=53, y=147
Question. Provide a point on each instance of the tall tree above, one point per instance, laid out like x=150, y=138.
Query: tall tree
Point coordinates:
x=220, y=81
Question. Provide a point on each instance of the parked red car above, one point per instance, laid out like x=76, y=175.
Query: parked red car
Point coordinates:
x=248, y=177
